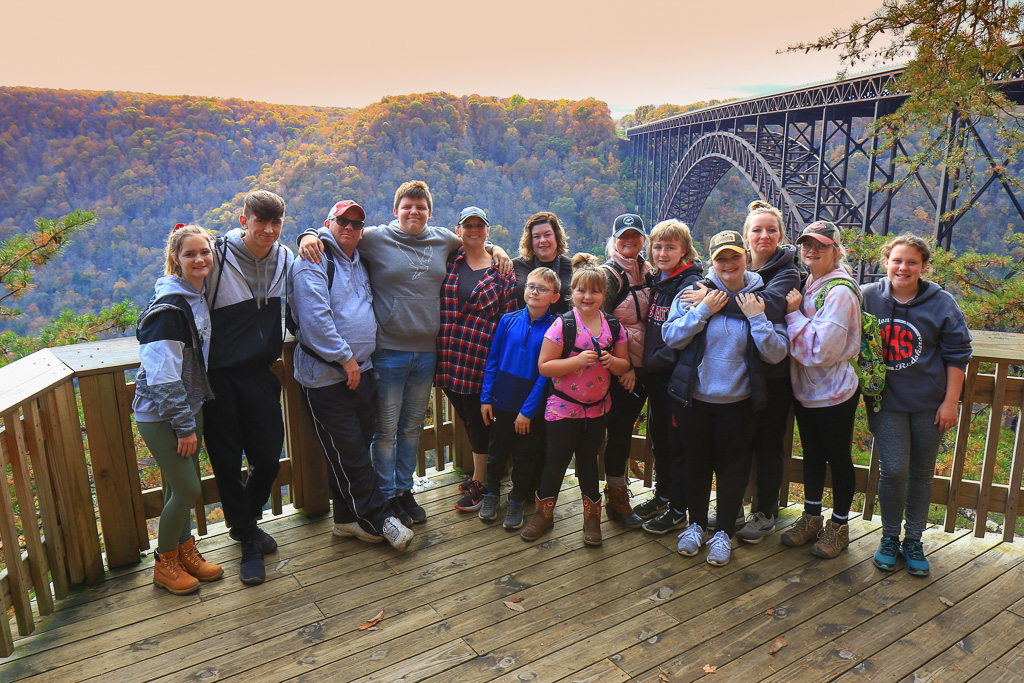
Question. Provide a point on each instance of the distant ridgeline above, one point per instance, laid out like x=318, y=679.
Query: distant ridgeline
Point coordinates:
x=145, y=162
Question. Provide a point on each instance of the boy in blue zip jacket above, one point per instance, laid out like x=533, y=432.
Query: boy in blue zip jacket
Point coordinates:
x=513, y=396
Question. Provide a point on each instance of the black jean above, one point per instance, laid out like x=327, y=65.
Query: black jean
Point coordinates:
x=565, y=438
x=622, y=417
x=467, y=407
x=767, y=445
x=715, y=440
x=526, y=450
x=244, y=418
x=664, y=440
x=344, y=420
x=827, y=438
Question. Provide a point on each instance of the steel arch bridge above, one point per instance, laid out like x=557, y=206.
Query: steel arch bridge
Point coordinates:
x=810, y=151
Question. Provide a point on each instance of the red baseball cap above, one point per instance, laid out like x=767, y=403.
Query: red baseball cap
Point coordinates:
x=341, y=207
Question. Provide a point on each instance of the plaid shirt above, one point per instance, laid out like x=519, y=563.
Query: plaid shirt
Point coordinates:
x=465, y=335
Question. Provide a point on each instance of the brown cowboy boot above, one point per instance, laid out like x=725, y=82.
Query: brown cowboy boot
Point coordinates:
x=543, y=518
x=591, y=522
x=168, y=573
x=618, y=508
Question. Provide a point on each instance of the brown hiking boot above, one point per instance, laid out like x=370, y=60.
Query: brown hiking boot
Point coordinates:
x=617, y=506
x=543, y=518
x=804, y=531
x=832, y=540
x=591, y=522
x=193, y=563
x=168, y=573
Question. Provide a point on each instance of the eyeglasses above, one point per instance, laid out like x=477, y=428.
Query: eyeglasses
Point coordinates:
x=530, y=287
x=346, y=222
x=814, y=246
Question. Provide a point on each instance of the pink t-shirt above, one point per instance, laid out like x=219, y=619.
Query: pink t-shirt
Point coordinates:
x=585, y=384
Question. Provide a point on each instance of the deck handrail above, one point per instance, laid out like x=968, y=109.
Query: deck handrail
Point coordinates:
x=42, y=440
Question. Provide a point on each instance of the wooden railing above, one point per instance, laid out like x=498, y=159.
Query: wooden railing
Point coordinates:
x=60, y=493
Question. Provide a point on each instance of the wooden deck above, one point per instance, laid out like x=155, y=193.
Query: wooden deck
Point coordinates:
x=630, y=610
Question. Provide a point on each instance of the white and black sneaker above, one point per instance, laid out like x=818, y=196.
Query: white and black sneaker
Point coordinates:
x=398, y=534
x=669, y=520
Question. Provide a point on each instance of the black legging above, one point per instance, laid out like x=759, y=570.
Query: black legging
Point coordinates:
x=767, y=445
x=622, y=417
x=827, y=438
x=565, y=438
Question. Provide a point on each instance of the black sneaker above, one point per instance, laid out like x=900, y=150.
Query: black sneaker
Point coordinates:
x=409, y=504
x=472, y=496
x=252, y=572
x=651, y=507
x=399, y=511
x=666, y=522
x=267, y=542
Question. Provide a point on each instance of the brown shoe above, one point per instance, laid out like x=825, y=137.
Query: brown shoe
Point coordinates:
x=618, y=508
x=543, y=518
x=192, y=562
x=591, y=522
x=168, y=573
x=804, y=531
x=832, y=540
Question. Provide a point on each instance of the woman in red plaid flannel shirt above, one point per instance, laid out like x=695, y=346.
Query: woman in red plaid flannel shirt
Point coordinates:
x=474, y=296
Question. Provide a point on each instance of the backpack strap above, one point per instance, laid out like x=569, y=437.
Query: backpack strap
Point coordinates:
x=832, y=284
x=569, y=332
x=220, y=249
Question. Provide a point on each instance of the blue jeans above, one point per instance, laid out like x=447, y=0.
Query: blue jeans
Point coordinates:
x=403, y=379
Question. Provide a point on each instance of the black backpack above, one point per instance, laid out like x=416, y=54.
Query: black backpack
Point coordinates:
x=291, y=322
x=569, y=345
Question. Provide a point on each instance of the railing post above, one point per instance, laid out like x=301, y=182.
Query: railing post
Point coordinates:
x=310, y=491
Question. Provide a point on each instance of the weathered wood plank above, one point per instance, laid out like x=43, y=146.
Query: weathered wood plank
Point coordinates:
x=603, y=671
x=963, y=431
x=97, y=358
x=30, y=377
x=997, y=346
x=309, y=489
x=973, y=652
x=1013, y=493
x=872, y=488
x=988, y=465
x=16, y=577
x=985, y=389
x=1006, y=670
x=47, y=506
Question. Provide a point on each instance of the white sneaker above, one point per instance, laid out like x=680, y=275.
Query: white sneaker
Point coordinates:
x=721, y=549
x=691, y=540
x=398, y=534
x=350, y=529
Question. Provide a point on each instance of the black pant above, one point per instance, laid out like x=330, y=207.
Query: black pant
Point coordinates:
x=467, y=407
x=664, y=439
x=581, y=437
x=245, y=417
x=527, y=451
x=767, y=445
x=827, y=438
x=622, y=417
x=715, y=441
x=344, y=421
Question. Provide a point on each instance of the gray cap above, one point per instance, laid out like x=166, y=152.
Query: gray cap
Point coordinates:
x=470, y=211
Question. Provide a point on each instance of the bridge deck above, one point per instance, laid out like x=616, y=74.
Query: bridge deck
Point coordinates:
x=630, y=610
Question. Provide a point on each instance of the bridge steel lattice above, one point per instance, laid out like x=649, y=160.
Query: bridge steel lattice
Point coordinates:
x=810, y=151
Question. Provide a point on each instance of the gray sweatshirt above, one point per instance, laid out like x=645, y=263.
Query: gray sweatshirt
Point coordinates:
x=338, y=325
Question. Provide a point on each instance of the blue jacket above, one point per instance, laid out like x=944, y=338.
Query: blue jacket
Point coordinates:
x=512, y=381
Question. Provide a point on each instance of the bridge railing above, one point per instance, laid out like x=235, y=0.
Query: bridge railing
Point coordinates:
x=67, y=445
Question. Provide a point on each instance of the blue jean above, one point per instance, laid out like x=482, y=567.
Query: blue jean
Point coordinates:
x=908, y=444
x=403, y=379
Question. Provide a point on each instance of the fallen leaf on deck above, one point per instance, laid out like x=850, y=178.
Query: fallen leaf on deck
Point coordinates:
x=777, y=645
x=515, y=600
x=663, y=676
x=373, y=622
x=514, y=607
x=708, y=669
x=771, y=611
x=373, y=628
x=946, y=601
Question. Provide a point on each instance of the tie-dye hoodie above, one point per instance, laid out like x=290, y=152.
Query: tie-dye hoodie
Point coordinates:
x=822, y=342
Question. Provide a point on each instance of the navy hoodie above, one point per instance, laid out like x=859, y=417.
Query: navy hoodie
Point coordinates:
x=921, y=338
x=658, y=357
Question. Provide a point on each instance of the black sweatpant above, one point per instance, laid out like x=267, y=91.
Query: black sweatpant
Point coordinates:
x=767, y=445
x=664, y=439
x=344, y=420
x=827, y=438
x=245, y=417
x=622, y=417
x=565, y=438
x=526, y=450
x=715, y=441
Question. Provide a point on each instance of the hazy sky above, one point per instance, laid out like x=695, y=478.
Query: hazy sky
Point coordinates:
x=344, y=53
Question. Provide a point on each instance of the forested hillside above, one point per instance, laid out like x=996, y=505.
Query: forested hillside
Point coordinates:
x=144, y=162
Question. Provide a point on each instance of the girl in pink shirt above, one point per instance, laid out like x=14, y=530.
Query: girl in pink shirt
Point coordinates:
x=576, y=409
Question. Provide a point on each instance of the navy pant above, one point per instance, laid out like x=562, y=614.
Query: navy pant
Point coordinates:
x=526, y=450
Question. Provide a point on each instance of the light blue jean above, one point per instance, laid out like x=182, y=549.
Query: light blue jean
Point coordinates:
x=908, y=444
x=404, y=379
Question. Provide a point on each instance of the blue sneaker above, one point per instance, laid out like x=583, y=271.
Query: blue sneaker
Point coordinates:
x=887, y=553
x=913, y=553
x=691, y=540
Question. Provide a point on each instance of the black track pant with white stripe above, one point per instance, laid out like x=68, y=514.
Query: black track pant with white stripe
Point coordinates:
x=344, y=421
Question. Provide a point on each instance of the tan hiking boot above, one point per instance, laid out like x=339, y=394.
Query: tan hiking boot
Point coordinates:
x=591, y=522
x=543, y=519
x=804, y=531
x=832, y=540
x=193, y=563
x=168, y=573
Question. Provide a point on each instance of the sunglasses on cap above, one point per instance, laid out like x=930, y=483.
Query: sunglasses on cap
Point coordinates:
x=346, y=222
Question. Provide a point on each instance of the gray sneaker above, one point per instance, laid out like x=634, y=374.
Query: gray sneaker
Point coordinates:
x=489, y=508
x=352, y=529
x=721, y=549
x=692, y=540
x=398, y=534
x=713, y=518
x=757, y=527
x=513, y=515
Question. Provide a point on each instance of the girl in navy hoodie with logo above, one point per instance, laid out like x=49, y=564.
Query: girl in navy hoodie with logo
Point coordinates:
x=927, y=348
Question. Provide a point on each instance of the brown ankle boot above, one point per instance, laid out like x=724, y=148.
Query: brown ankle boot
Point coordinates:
x=195, y=565
x=805, y=530
x=591, y=522
x=543, y=519
x=168, y=573
x=618, y=508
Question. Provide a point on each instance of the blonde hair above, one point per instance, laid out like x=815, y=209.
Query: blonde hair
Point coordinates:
x=547, y=275
x=540, y=218
x=909, y=240
x=676, y=231
x=758, y=207
x=174, y=240
x=586, y=273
